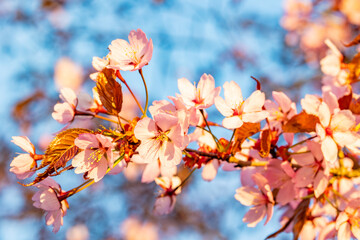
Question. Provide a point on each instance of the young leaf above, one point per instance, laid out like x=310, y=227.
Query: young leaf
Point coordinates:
x=59, y=152
x=301, y=122
x=109, y=91
x=245, y=131
x=265, y=143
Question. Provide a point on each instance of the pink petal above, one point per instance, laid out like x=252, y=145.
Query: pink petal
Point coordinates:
x=98, y=172
x=187, y=90
x=137, y=40
x=206, y=86
x=149, y=150
x=233, y=95
x=164, y=205
x=145, y=129
x=255, y=215
x=255, y=102
x=329, y=149
x=151, y=171
x=254, y=117
x=24, y=143
x=68, y=95
x=321, y=182
x=304, y=177
x=210, y=170
x=324, y=114
x=222, y=107
x=342, y=121
x=170, y=154
x=331, y=100
x=232, y=122
x=344, y=232
x=165, y=121
x=248, y=195
x=283, y=101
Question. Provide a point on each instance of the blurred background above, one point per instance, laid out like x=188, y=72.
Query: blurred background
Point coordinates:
x=49, y=44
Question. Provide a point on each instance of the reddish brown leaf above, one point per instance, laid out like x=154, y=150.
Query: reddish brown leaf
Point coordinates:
x=344, y=102
x=59, y=152
x=245, y=131
x=109, y=91
x=301, y=122
x=265, y=143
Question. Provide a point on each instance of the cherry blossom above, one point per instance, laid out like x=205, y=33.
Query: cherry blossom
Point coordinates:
x=65, y=112
x=130, y=57
x=280, y=175
x=200, y=96
x=160, y=138
x=96, y=157
x=333, y=130
x=261, y=198
x=281, y=110
x=347, y=222
x=236, y=110
x=24, y=164
x=314, y=170
x=165, y=203
x=47, y=198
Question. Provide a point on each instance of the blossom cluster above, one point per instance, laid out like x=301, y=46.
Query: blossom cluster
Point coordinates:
x=309, y=23
x=304, y=163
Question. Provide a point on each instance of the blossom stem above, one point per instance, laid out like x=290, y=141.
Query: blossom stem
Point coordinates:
x=303, y=141
x=77, y=189
x=207, y=125
x=146, y=91
x=184, y=181
x=105, y=118
x=229, y=144
x=131, y=92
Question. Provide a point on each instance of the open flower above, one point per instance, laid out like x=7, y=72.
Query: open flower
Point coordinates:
x=201, y=96
x=47, y=198
x=333, y=130
x=24, y=164
x=261, y=198
x=160, y=138
x=165, y=203
x=130, y=57
x=236, y=110
x=65, y=112
x=96, y=157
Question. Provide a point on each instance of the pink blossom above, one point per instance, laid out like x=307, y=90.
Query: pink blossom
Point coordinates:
x=99, y=64
x=201, y=96
x=314, y=170
x=24, y=164
x=68, y=74
x=154, y=169
x=65, y=112
x=130, y=57
x=333, y=130
x=281, y=110
x=133, y=229
x=236, y=110
x=165, y=203
x=47, y=198
x=261, y=198
x=160, y=138
x=331, y=64
x=280, y=175
x=96, y=157
x=210, y=170
x=347, y=222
